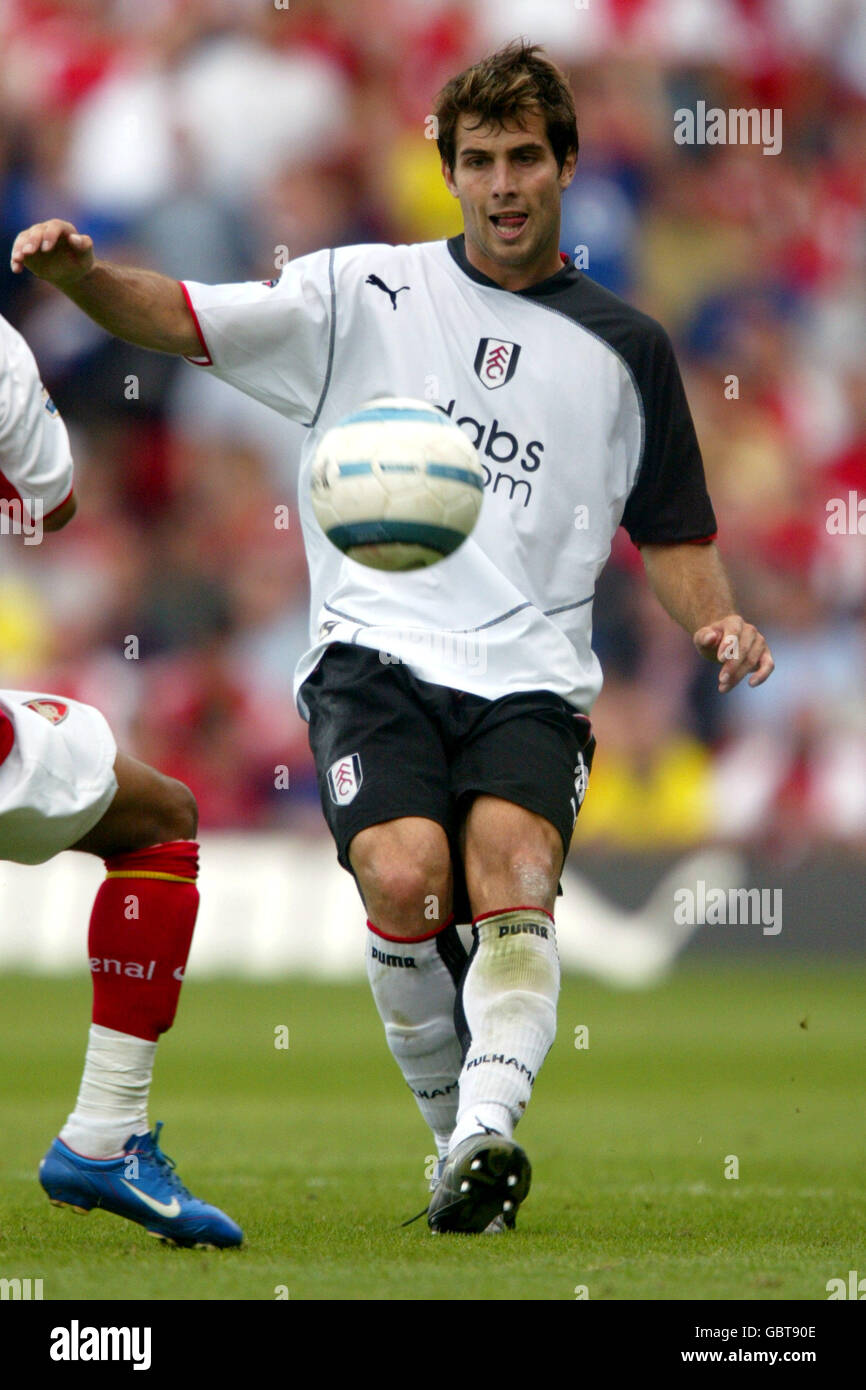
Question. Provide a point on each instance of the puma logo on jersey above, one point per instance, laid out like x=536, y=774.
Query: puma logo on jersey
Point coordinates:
x=392, y=294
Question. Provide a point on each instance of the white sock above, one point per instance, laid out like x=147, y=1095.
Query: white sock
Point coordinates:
x=414, y=984
x=112, y=1101
x=508, y=999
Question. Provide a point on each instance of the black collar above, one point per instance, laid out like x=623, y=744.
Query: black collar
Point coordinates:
x=554, y=284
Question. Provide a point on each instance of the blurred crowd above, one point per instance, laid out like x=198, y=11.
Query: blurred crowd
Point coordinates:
x=212, y=138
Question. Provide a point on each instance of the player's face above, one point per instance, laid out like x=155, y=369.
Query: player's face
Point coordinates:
x=509, y=188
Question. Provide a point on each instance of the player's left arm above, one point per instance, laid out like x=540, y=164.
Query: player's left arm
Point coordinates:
x=691, y=583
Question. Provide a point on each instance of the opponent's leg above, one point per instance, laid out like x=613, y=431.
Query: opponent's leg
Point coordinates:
x=507, y=1008
x=414, y=957
x=140, y=933
x=148, y=809
x=141, y=929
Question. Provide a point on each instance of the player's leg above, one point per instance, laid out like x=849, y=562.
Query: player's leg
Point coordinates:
x=141, y=929
x=148, y=809
x=506, y=1010
x=64, y=785
x=517, y=751
x=384, y=787
x=414, y=958
x=508, y=998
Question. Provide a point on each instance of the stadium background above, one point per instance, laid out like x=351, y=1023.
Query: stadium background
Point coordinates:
x=213, y=139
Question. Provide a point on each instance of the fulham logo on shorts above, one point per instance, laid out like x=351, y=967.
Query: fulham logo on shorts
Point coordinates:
x=344, y=779
x=581, y=778
x=581, y=782
x=55, y=711
x=496, y=362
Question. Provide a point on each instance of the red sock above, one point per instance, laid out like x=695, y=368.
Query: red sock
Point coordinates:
x=140, y=934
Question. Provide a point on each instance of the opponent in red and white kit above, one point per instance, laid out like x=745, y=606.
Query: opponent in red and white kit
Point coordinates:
x=65, y=785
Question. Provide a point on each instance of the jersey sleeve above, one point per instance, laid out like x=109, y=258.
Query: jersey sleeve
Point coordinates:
x=35, y=457
x=271, y=339
x=669, y=502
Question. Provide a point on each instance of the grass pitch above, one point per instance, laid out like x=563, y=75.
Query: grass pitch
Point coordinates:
x=319, y=1152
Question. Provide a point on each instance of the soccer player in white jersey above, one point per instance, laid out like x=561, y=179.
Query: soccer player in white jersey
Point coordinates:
x=452, y=786
x=65, y=785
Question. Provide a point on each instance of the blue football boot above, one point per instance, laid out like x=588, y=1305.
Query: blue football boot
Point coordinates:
x=141, y=1185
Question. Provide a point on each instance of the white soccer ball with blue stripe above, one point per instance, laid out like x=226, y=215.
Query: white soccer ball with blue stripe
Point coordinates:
x=396, y=484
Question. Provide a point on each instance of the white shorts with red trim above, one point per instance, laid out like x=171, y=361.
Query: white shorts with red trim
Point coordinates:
x=57, y=780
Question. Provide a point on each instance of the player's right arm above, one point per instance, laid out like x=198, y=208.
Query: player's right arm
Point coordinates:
x=140, y=306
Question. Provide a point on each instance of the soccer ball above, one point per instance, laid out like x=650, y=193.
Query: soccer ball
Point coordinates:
x=396, y=484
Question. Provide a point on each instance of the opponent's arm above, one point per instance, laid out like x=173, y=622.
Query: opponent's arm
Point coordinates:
x=140, y=306
x=61, y=515
x=690, y=582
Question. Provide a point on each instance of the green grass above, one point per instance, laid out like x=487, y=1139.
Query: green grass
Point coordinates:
x=319, y=1151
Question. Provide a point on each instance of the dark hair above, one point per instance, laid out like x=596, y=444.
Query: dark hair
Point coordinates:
x=507, y=85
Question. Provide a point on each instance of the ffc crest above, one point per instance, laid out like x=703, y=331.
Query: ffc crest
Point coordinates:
x=581, y=782
x=344, y=779
x=581, y=778
x=496, y=362
x=55, y=711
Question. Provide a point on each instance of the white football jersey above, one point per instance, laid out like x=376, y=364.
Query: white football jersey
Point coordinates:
x=573, y=399
x=35, y=458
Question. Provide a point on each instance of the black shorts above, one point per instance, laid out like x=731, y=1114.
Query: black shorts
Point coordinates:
x=387, y=745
